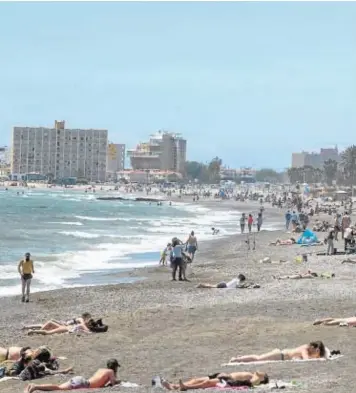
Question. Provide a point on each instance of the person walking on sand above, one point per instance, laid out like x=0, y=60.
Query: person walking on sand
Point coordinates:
x=249, y=223
x=259, y=222
x=288, y=218
x=242, y=222
x=102, y=378
x=345, y=223
x=26, y=270
x=330, y=241
x=192, y=245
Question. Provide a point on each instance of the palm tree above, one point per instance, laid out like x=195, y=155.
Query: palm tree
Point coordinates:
x=330, y=171
x=349, y=164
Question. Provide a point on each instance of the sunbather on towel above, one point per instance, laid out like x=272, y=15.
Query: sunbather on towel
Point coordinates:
x=308, y=274
x=280, y=242
x=54, y=324
x=313, y=350
x=102, y=378
x=239, y=282
x=336, y=321
x=211, y=381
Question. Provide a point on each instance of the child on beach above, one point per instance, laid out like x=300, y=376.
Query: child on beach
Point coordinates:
x=164, y=254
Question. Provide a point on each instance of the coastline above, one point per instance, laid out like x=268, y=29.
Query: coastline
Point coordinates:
x=173, y=329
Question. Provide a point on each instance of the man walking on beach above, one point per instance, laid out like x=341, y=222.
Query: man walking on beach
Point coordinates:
x=102, y=378
x=26, y=270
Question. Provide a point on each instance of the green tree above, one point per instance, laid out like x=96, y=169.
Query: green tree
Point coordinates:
x=268, y=175
x=196, y=170
x=296, y=175
x=349, y=164
x=214, y=168
x=330, y=171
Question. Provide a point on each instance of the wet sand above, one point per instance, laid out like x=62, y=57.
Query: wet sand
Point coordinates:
x=173, y=329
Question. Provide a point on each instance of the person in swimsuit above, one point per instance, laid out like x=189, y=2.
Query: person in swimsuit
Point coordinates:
x=336, y=321
x=192, y=245
x=53, y=329
x=280, y=242
x=308, y=274
x=313, y=350
x=225, y=379
x=53, y=324
x=26, y=270
x=102, y=378
x=239, y=282
x=13, y=353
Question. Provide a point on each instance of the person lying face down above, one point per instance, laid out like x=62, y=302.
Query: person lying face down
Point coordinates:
x=220, y=379
x=239, y=282
x=351, y=321
x=313, y=350
x=280, y=242
x=308, y=274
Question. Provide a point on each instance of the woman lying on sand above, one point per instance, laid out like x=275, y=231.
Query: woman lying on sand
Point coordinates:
x=336, y=321
x=308, y=274
x=13, y=353
x=212, y=381
x=314, y=350
x=280, y=242
x=53, y=324
x=236, y=283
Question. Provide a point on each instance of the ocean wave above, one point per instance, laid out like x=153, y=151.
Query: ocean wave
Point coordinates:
x=89, y=218
x=82, y=235
x=74, y=223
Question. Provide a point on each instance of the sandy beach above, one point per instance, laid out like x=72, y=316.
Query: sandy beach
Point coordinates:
x=173, y=329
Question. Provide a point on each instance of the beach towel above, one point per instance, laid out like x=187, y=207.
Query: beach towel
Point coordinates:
x=334, y=357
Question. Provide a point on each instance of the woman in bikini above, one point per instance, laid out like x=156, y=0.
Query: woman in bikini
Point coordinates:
x=336, y=321
x=13, y=353
x=212, y=381
x=53, y=327
x=313, y=350
x=54, y=324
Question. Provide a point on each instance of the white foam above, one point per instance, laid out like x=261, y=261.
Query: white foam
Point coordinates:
x=74, y=223
x=82, y=235
x=96, y=218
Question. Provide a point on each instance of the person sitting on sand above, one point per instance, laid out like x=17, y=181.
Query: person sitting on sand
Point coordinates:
x=102, y=378
x=308, y=274
x=225, y=379
x=313, y=350
x=54, y=324
x=239, y=282
x=280, y=242
x=351, y=321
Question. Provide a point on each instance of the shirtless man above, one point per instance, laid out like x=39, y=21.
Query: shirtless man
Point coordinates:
x=231, y=379
x=102, y=378
x=313, y=350
x=192, y=244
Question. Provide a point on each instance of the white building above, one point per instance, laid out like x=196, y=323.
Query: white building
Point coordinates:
x=115, y=157
x=59, y=152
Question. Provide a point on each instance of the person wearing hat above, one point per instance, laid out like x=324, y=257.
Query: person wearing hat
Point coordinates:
x=26, y=270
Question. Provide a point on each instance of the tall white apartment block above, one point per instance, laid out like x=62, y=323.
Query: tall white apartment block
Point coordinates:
x=59, y=152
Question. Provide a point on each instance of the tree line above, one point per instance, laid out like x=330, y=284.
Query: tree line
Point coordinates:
x=341, y=173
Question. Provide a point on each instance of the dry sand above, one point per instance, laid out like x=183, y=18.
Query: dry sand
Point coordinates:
x=173, y=329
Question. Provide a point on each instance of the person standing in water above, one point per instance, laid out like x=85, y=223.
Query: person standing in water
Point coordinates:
x=250, y=222
x=26, y=270
x=192, y=245
x=242, y=222
x=259, y=221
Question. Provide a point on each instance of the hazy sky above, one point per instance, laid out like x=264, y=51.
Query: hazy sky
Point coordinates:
x=249, y=82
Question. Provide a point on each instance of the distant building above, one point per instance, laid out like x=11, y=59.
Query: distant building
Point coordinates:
x=59, y=153
x=247, y=175
x=115, y=157
x=165, y=151
x=315, y=160
x=4, y=156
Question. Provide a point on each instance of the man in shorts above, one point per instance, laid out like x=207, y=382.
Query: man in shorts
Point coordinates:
x=102, y=378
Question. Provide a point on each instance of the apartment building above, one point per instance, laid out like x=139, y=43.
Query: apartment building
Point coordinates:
x=115, y=157
x=164, y=151
x=59, y=152
x=315, y=160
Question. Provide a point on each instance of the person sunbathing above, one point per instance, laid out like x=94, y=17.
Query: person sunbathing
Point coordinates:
x=351, y=321
x=54, y=324
x=102, y=378
x=236, y=283
x=212, y=381
x=13, y=353
x=313, y=350
x=59, y=329
x=308, y=274
x=280, y=242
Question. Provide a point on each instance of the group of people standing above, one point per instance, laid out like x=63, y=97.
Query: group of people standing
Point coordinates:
x=250, y=221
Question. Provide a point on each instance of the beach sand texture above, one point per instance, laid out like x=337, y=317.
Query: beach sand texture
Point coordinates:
x=176, y=330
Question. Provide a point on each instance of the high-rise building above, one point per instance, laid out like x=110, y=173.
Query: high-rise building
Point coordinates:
x=115, y=158
x=59, y=152
x=315, y=160
x=164, y=151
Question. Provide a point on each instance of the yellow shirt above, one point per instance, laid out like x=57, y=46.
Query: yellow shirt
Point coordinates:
x=27, y=267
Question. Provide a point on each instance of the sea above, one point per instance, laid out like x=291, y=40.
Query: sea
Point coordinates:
x=77, y=240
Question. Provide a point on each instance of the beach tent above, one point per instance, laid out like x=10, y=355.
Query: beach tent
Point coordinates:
x=307, y=237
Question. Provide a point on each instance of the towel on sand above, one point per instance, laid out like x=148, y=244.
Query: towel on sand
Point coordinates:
x=334, y=357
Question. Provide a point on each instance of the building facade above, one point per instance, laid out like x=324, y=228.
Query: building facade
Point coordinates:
x=115, y=157
x=164, y=151
x=59, y=153
x=315, y=160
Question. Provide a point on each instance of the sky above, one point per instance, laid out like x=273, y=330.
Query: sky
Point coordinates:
x=248, y=82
